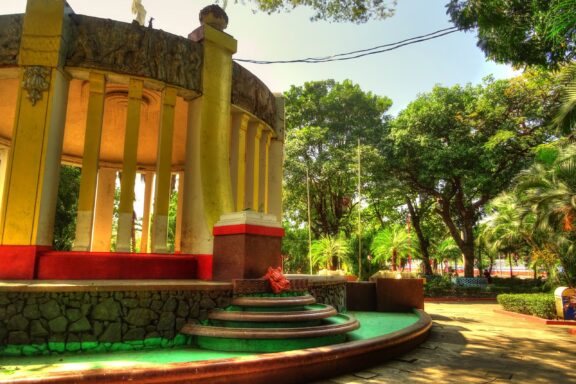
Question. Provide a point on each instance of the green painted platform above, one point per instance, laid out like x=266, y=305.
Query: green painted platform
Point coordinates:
x=14, y=368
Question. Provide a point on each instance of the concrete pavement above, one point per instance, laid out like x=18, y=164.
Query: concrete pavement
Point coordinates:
x=470, y=343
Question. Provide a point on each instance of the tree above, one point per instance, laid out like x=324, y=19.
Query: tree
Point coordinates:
x=325, y=119
x=505, y=231
x=330, y=252
x=66, y=208
x=565, y=119
x=549, y=192
x=520, y=32
x=295, y=249
x=447, y=249
x=463, y=146
x=355, y=11
x=391, y=245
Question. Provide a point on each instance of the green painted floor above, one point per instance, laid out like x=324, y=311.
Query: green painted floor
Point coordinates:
x=373, y=324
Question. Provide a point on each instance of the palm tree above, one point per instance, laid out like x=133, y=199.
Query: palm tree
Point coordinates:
x=329, y=252
x=548, y=191
x=505, y=231
x=560, y=23
x=447, y=249
x=391, y=244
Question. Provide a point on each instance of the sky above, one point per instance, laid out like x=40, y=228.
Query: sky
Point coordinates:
x=401, y=74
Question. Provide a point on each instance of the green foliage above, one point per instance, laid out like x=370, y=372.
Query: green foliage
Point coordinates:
x=392, y=245
x=449, y=144
x=295, y=250
x=540, y=305
x=547, y=194
x=172, y=213
x=565, y=119
x=447, y=249
x=520, y=32
x=330, y=252
x=322, y=141
x=334, y=10
x=66, y=208
x=437, y=283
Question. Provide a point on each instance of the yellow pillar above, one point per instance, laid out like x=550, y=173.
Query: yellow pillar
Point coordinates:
x=34, y=162
x=275, y=162
x=163, y=172
x=264, y=164
x=90, y=160
x=4, y=152
x=104, y=210
x=253, y=165
x=126, y=208
x=178, y=234
x=207, y=187
x=148, y=184
x=238, y=158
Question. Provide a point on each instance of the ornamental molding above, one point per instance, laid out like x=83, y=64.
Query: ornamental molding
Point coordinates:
x=36, y=81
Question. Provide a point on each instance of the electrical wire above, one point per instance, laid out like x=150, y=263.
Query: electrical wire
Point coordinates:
x=362, y=52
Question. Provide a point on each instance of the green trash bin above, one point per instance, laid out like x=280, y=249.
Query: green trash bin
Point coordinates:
x=565, y=299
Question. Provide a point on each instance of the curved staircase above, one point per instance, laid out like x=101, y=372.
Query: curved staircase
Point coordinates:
x=263, y=322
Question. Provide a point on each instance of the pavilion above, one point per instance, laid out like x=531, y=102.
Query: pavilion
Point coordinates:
x=119, y=99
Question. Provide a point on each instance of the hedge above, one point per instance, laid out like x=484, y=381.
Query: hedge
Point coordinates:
x=535, y=304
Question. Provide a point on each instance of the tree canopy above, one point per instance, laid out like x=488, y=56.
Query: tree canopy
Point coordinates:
x=325, y=119
x=520, y=32
x=463, y=145
x=356, y=11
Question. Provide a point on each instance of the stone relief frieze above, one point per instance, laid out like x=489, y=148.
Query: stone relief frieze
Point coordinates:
x=135, y=50
x=250, y=93
x=10, y=36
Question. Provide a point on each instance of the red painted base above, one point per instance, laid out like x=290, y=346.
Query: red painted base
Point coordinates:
x=18, y=262
x=245, y=251
x=27, y=263
x=535, y=319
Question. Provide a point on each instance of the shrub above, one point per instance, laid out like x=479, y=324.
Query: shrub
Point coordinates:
x=536, y=304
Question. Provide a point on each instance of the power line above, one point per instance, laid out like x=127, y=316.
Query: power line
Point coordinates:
x=362, y=52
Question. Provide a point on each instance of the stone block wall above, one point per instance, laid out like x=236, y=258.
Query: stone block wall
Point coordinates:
x=47, y=322
x=329, y=292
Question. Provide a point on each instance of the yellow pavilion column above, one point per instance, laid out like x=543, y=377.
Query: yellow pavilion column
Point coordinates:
x=163, y=172
x=104, y=210
x=253, y=165
x=27, y=217
x=148, y=184
x=264, y=150
x=207, y=188
x=178, y=234
x=126, y=208
x=275, y=162
x=4, y=152
x=238, y=158
x=90, y=160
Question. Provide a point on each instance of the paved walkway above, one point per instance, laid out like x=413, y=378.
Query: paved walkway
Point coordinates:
x=472, y=344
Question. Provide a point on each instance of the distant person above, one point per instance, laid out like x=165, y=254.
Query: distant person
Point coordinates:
x=487, y=276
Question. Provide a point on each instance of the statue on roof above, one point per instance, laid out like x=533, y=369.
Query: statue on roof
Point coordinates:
x=139, y=11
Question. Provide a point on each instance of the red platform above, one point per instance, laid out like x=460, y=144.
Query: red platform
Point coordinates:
x=28, y=262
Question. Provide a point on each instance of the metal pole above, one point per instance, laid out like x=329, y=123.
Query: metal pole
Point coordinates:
x=359, y=216
x=409, y=243
x=309, y=219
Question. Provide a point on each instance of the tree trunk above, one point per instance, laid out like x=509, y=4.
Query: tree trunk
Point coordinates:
x=463, y=237
x=468, y=251
x=394, y=256
x=423, y=241
x=510, y=262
